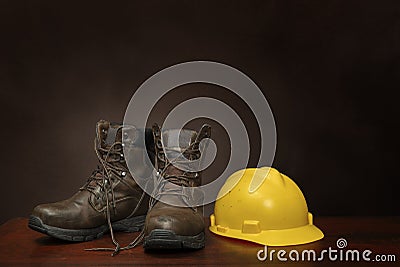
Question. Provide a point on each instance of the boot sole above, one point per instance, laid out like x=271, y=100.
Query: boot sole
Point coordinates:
x=167, y=239
x=129, y=225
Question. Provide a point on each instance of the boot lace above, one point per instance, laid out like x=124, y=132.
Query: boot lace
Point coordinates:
x=104, y=177
x=182, y=180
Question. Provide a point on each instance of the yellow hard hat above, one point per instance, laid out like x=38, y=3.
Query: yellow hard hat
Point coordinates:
x=264, y=206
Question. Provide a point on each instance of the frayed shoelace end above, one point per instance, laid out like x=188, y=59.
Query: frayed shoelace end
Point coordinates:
x=115, y=251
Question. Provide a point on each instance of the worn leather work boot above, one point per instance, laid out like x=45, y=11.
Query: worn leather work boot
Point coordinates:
x=172, y=221
x=110, y=199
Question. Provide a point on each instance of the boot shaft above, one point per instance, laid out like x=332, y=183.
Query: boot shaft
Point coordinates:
x=178, y=153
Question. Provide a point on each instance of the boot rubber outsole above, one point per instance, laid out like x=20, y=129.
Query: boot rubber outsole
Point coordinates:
x=167, y=239
x=129, y=225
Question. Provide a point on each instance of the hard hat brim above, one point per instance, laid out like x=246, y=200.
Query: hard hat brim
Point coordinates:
x=283, y=237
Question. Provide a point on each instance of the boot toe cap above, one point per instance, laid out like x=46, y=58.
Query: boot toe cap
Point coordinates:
x=184, y=223
x=46, y=213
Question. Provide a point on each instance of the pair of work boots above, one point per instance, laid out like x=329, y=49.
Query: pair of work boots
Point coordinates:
x=112, y=200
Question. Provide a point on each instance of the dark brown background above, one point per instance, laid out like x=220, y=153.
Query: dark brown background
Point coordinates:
x=329, y=69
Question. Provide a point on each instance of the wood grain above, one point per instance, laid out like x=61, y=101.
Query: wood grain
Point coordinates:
x=21, y=246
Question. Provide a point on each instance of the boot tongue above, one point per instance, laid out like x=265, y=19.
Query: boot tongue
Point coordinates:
x=108, y=133
x=175, y=141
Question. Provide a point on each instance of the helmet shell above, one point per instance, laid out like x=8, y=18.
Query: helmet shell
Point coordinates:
x=264, y=206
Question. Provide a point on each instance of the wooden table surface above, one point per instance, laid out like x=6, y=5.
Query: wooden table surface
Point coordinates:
x=21, y=246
